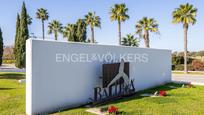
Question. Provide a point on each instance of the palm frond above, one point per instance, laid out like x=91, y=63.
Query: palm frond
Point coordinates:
x=185, y=14
x=93, y=20
x=42, y=14
x=130, y=40
x=146, y=24
x=119, y=13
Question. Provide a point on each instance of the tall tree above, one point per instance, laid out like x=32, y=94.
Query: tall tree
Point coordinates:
x=42, y=14
x=23, y=36
x=81, y=30
x=1, y=47
x=93, y=21
x=119, y=13
x=185, y=14
x=29, y=20
x=16, y=44
x=55, y=27
x=75, y=32
x=70, y=32
x=130, y=40
x=144, y=26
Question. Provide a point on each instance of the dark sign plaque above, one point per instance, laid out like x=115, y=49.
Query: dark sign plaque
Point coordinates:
x=111, y=70
x=116, y=82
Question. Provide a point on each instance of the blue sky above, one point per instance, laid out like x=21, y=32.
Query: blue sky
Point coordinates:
x=68, y=11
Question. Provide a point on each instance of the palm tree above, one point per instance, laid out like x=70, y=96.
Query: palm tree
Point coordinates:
x=81, y=30
x=130, y=40
x=144, y=26
x=55, y=27
x=119, y=13
x=93, y=21
x=42, y=14
x=70, y=32
x=185, y=14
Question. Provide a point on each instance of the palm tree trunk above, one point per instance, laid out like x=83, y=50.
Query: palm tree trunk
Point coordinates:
x=92, y=35
x=185, y=49
x=119, y=30
x=56, y=35
x=43, y=34
x=146, y=39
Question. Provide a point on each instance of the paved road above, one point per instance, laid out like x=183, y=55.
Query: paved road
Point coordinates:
x=189, y=78
x=10, y=68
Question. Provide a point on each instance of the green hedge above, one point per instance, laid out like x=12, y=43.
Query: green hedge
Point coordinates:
x=8, y=61
x=177, y=60
x=181, y=67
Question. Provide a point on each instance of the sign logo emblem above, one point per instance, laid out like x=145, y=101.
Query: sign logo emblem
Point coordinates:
x=115, y=82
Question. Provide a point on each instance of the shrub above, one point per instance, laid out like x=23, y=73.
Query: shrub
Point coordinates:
x=200, y=53
x=198, y=65
x=181, y=67
x=173, y=67
x=8, y=61
x=177, y=60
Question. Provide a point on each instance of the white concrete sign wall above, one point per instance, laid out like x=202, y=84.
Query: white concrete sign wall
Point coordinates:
x=62, y=74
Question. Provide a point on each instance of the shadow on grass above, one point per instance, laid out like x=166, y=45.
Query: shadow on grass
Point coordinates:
x=165, y=87
x=16, y=76
x=7, y=88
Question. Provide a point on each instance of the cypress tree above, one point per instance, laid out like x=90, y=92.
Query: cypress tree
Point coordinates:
x=16, y=45
x=23, y=36
x=1, y=47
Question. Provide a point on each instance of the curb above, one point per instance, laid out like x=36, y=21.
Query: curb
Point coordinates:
x=189, y=75
x=194, y=83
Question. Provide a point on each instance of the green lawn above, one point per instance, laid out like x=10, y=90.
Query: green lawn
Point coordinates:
x=12, y=94
x=178, y=101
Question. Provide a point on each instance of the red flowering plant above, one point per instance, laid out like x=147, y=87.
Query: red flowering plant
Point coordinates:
x=162, y=93
x=112, y=110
